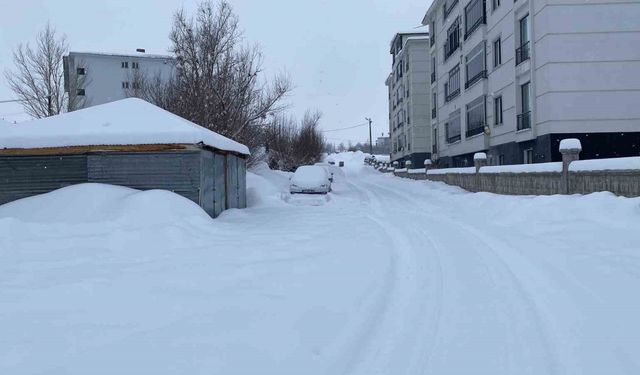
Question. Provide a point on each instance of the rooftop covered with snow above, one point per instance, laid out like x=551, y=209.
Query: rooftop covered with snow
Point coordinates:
x=125, y=122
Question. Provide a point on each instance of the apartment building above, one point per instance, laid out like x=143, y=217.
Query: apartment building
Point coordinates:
x=408, y=86
x=93, y=78
x=513, y=78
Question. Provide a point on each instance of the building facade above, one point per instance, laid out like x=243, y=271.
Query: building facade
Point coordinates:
x=92, y=78
x=408, y=86
x=513, y=78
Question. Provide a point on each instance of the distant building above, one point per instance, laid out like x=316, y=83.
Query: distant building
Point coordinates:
x=384, y=143
x=94, y=78
x=513, y=78
x=408, y=85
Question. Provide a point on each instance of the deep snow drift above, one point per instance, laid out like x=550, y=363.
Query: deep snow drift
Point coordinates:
x=391, y=276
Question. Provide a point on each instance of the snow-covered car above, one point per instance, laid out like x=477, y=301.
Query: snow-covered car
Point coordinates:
x=310, y=179
x=327, y=167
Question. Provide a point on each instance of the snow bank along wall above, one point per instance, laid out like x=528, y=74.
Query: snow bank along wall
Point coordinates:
x=213, y=179
x=620, y=176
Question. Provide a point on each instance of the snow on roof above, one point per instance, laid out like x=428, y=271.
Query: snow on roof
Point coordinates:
x=134, y=54
x=129, y=121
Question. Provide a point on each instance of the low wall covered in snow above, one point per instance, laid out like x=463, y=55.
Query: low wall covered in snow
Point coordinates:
x=619, y=176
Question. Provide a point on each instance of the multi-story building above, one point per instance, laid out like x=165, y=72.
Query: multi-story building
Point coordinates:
x=513, y=78
x=93, y=78
x=408, y=85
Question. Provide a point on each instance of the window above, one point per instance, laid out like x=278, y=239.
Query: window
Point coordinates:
x=453, y=39
x=452, y=127
x=448, y=7
x=125, y=85
x=452, y=87
x=434, y=105
x=474, y=16
x=432, y=37
x=476, y=117
x=500, y=159
x=124, y=65
x=495, y=4
x=475, y=66
x=433, y=69
x=524, y=118
x=80, y=92
x=528, y=156
x=497, y=53
x=522, y=53
x=434, y=148
x=81, y=71
x=136, y=85
x=497, y=110
x=135, y=65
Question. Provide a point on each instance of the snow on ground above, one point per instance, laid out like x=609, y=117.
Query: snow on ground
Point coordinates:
x=391, y=276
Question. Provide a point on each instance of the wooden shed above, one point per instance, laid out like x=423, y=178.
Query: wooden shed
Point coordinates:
x=130, y=143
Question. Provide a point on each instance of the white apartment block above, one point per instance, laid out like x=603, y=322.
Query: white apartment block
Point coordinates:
x=93, y=78
x=408, y=86
x=513, y=78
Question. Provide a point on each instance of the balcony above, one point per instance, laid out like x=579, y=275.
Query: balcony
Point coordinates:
x=450, y=48
x=522, y=53
x=448, y=9
x=474, y=131
x=475, y=15
x=476, y=78
x=524, y=121
x=433, y=77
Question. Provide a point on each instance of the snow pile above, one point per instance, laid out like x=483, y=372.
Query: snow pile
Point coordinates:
x=524, y=168
x=570, y=144
x=124, y=122
x=480, y=156
x=467, y=170
x=630, y=163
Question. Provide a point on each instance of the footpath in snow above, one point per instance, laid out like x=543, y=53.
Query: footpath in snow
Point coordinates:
x=389, y=276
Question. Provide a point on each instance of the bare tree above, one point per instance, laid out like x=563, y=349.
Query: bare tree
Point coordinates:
x=218, y=81
x=38, y=78
x=290, y=145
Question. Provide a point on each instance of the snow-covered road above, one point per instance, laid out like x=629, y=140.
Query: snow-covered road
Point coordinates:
x=389, y=277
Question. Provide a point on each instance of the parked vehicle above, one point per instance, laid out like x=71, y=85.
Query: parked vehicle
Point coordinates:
x=328, y=167
x=310, y=179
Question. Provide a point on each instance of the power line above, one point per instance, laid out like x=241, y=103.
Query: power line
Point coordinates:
x=347, y=128
x=11, y=101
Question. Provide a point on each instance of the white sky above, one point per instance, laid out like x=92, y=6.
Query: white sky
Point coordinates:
x=336, y=51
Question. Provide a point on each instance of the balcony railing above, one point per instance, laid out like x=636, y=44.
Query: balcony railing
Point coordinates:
x=451, y=95
x=450, y=48
x=476, y=78
x=474, y=131
x=448, y=9
x=524, y=120
x=433, y=112
x=454, y=139
x=522, y=53
x=433, y=77
x=475, y=15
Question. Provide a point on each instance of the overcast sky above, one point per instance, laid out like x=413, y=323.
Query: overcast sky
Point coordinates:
x=336, y=51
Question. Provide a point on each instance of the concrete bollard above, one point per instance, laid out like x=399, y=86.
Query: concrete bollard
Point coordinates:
x=428, y=164
x=570, y=149
x=407, y=164
x=480, y=160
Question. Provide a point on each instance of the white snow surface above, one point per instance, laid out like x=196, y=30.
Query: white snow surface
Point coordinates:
x=124, y=122
x=310, y=176
x=524, y=168
x=570, y=144
x=630, y=163
x=391, y=276
x=466, y=170
x=417, y=171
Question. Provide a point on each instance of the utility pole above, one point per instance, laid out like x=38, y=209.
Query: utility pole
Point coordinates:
x=370, y=139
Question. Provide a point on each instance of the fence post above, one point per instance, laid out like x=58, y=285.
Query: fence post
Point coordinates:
x=479, y=160
x=570, y=149
x=407, y=165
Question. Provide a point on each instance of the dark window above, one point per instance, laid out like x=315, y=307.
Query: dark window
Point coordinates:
x=135, y=65
x=453, y=39
x=476, y=117
x=81, y=71
x=452, y=127
x=475, y=65
x=434, y=148
x=495, y=4
x=528, y=156
x=433, y=69
x=524, y=118
x=522, y=53
x=500, y=159
x=124, y=64
x=80, y=92
x=497, y=110
x=434, y=105
x=136, y=85
x=125, y=85
x=497, y=53
x=432, y=37
x=474, y=16
x=452, y=87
